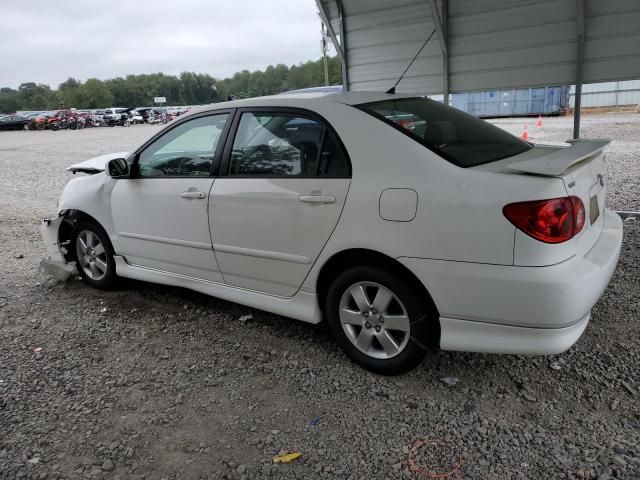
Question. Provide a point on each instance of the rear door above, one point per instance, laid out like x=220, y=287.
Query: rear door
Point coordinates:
x=285, y=181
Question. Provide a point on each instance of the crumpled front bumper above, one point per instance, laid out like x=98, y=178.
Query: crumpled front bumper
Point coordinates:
x=54, y=263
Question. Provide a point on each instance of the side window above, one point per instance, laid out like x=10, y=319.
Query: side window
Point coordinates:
x=186, y=150
x=285, y=145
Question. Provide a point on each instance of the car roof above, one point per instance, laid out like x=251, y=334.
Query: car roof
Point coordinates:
x=304, y=100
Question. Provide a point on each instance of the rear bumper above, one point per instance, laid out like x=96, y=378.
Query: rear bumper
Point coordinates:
x=479, y=302
x=469, y=336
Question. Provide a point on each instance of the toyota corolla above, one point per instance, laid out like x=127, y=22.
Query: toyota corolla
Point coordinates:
x=403, y=223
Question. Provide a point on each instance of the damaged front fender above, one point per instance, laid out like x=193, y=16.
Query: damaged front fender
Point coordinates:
x=91, y=195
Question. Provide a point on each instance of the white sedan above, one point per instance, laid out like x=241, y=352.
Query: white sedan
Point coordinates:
x=401, y=222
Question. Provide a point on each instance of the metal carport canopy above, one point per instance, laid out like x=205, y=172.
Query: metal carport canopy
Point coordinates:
x=484, y=44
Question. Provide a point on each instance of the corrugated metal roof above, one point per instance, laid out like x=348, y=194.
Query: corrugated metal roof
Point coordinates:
x=383, y=37
x=491, y=43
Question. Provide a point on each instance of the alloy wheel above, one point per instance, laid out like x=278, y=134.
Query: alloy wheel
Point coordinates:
x=374, y=320
x=91, y=255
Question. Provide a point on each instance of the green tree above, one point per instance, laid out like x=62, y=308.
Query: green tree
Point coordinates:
x=9, y=100
x=95, y=93
x=189, y=88
x=35, y=96
x=68, y=94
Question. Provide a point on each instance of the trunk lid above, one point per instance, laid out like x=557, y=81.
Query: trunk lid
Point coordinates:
x=582, y=169
x=586, y=178
x=559, y=159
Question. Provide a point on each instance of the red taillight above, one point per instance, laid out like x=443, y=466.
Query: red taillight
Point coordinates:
x=551, y=221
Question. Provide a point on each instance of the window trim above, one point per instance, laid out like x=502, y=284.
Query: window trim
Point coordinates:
x=217, y=158
x=365, y=108
x=225, y=164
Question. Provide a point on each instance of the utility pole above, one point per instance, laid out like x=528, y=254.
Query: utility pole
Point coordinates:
x=325, y=47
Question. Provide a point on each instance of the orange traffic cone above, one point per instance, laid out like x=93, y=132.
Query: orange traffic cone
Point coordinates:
x=525, y=134
x=539, y=122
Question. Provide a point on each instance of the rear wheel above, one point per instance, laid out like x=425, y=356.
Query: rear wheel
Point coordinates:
x=379, y=321
x=94, y=255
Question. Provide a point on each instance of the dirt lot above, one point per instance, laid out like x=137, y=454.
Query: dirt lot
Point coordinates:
x=159, y=383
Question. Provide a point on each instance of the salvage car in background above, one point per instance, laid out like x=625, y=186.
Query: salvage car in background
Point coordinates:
x=13, y=122
x=135, y=118
x=402, y=222
x=40, y=121
x=116, y=116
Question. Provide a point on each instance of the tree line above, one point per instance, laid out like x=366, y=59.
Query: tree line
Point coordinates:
x=188, y=88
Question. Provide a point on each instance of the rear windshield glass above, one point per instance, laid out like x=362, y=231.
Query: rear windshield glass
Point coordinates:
x=456, y=136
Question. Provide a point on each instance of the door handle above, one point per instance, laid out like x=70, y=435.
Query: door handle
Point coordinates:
x=192, y=194
x=317, y=198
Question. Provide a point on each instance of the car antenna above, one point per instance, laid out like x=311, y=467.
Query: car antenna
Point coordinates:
x=393, y=89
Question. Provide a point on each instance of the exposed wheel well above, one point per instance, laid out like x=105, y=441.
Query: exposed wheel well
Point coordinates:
x=357, y=256
x=71, y=217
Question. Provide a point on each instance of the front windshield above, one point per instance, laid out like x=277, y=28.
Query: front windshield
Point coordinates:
x=456, y=136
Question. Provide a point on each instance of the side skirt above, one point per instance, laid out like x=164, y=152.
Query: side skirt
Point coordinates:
x=302, y=306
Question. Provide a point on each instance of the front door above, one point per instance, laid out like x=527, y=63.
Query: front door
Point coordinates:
x=160, y=215
x=279, y=199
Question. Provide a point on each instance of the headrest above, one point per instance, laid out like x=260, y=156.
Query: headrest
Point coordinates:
x=440, y=132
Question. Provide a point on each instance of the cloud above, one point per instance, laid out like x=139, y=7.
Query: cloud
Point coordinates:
x=47, y=42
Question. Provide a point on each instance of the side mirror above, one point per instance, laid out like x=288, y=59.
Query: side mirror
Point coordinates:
x=118, y=168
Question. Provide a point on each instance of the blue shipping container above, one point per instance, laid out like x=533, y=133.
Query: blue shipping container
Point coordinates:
x=514, y=102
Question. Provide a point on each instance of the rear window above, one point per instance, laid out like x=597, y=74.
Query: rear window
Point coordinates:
x=458, y=137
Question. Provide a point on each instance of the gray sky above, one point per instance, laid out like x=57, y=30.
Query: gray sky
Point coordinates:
x=47, y=41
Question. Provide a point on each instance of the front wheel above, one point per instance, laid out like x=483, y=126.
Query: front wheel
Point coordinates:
x=94, y=255
x=379, y=320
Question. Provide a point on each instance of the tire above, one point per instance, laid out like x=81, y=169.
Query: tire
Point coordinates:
x=101, y=272
x=392, y=347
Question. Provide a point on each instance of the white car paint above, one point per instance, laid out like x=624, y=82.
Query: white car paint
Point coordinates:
x=254, y=242
x=96, y=164
x=158, y=228
x=256, y=249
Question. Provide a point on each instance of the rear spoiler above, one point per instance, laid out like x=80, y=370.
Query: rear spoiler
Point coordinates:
x=556, y=162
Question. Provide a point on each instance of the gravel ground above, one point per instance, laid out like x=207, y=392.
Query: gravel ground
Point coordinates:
x=155, y=382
